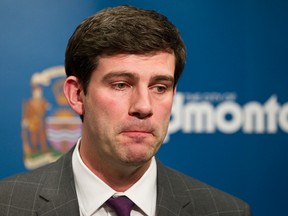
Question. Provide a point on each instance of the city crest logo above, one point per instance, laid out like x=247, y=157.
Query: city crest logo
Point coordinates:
x=49, y=127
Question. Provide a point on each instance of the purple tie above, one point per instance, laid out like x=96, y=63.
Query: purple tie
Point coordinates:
x=122, y=205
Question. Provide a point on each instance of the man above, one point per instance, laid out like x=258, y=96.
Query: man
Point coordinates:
x=122, y=68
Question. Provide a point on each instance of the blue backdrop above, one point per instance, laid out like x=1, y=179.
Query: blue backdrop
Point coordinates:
x=230, y=118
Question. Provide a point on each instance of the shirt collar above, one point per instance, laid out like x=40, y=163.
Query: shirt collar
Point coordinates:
x=92, y=192
x=145, y=198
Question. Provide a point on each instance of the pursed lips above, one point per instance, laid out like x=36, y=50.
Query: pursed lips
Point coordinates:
x=137, y=132
x=137, y=129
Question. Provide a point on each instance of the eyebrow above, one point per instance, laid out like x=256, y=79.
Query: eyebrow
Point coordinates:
x=163, y=78
x=130, y=75
x=118, y=74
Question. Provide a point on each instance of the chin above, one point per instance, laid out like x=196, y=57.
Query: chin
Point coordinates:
x=138, y=159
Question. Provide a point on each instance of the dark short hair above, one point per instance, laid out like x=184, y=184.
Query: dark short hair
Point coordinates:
x=121, y=30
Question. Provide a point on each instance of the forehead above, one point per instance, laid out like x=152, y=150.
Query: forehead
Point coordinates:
x=156, y=63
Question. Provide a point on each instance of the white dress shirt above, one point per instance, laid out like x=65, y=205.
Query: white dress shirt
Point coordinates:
x=92, y=192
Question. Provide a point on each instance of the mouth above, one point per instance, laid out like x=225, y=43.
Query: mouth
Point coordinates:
x=136, y=132
x=136, y=136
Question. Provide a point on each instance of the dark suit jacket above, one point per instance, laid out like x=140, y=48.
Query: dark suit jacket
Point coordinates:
x=50, y=190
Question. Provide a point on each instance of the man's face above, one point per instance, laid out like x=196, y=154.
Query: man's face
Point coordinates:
x=127, y=107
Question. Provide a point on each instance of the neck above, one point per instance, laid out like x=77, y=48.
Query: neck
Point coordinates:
x=119, y=176
x=120, y=180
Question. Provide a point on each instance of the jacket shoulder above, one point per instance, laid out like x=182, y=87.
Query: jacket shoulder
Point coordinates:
x=34, y=176
x=19, y=192
x=204, y=198
x=29, y=179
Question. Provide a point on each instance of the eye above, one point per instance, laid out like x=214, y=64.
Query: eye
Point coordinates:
x=120, y=85
x=160, y=88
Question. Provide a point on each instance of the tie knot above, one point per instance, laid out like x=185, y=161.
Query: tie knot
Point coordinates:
x=122, y=205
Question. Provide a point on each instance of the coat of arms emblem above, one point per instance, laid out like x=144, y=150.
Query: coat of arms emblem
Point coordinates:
x=49, y=127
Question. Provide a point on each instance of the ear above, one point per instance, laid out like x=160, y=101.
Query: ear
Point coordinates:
x=74, y=94
x=174, y=90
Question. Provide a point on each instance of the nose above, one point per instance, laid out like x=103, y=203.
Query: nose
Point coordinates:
x=140, y=104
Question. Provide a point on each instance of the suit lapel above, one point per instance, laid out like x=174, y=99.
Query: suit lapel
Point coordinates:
x=171, y=198
x=58, y=195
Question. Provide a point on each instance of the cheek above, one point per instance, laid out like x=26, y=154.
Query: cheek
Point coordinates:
x=167, y=105
x=164, y=111
x=107, y=106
